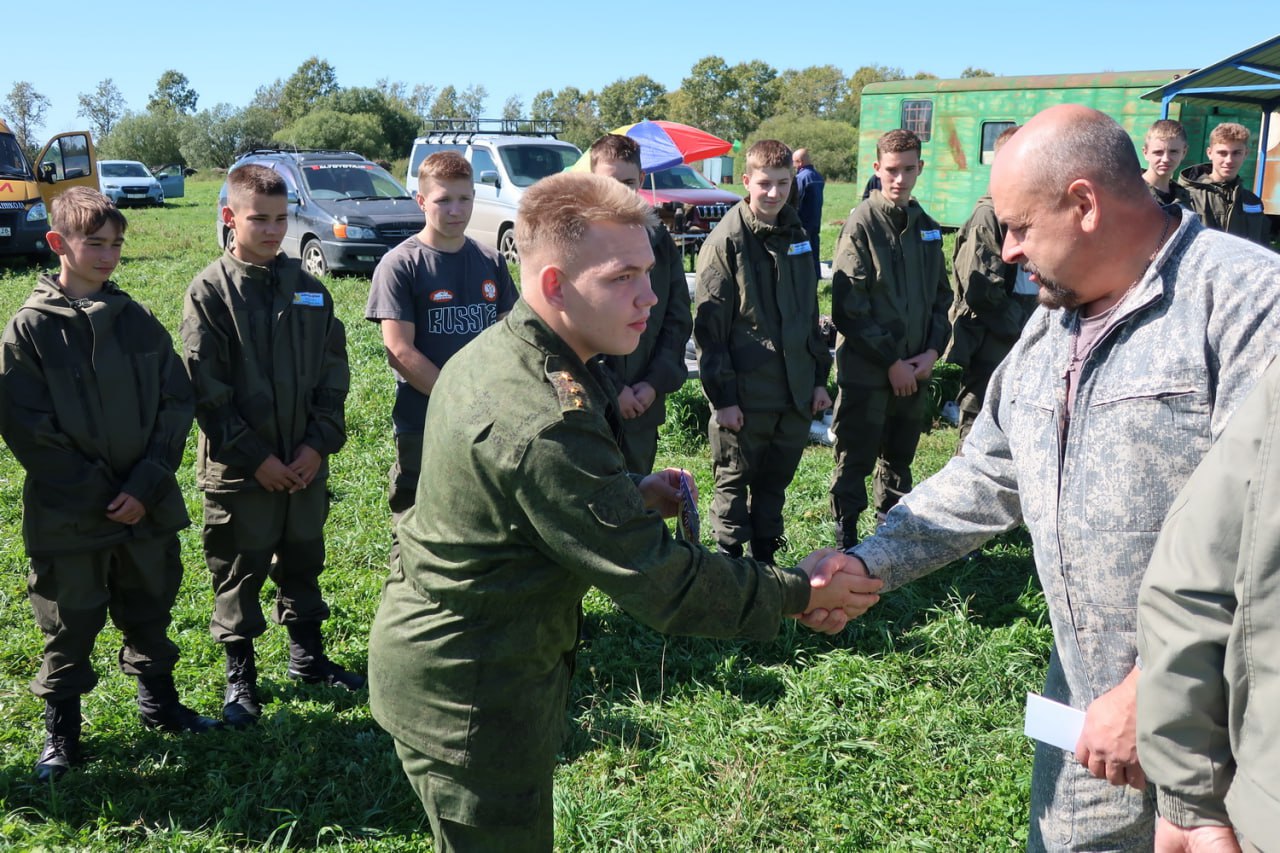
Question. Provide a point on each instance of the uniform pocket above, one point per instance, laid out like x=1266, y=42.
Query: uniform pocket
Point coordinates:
x=476, y=806
x=617, y=502
x=1143, y=442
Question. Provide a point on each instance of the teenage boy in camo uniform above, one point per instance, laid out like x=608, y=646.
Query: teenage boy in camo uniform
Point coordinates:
x=96, y=408
x=1217, y=194
x=656, y=367
x=889, y=300
x=762, y=358
x=993, y=301
x=1164, y=148
x=268, y=359
x=430, y=297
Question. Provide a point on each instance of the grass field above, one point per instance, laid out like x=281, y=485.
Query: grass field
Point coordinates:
x=902, y=733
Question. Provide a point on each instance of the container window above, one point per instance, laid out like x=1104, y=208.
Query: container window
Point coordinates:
x=917, y=116
x=991, y=131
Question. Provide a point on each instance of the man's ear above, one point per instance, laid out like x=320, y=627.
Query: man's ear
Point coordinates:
x=551, y=282
x=56, y=242
x=1082, y=195
x=228, y=217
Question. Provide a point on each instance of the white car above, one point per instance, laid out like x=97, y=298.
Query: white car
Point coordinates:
x=129, y=182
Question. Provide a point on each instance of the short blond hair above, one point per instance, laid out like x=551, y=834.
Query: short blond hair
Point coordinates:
x=556, y=211
x=1229, y=132
x=83, y=211
x=1167, y=128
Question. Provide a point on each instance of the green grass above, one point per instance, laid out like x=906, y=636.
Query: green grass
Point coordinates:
x=902, y=733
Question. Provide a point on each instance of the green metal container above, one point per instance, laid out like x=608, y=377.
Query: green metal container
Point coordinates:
x=958, y=121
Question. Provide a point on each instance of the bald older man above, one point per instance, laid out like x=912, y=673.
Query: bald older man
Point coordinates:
x=809, y=188
x=1152, y=330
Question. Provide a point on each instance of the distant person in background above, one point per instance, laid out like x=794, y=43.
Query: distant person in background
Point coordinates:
x=1217, y=193
x=1164, y=149
x=656, y=367
x=889, y=300
x=809, y=187
x=993, y=300
x=873, y=184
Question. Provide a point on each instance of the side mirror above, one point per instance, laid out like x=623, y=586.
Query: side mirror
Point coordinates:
x=292, y=196
x=490, y=177
x=48, y=172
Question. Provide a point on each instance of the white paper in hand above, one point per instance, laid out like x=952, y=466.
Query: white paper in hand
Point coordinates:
x=1052, y=722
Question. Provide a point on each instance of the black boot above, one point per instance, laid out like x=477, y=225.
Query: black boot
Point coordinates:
x=308, y=662
x=160, y=708
x=61, y=740
x=764, y=550
x=241, y=706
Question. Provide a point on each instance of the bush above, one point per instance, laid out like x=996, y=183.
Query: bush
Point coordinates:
x=833, y=145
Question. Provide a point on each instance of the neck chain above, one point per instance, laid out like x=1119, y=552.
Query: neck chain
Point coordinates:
x=1168, y=220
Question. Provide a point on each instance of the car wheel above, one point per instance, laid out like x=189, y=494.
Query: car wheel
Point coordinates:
x=507, y=245
x=228, y=239
x=313, y=258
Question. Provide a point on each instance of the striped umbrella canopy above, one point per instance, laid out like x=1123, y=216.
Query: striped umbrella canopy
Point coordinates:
x=664, y=144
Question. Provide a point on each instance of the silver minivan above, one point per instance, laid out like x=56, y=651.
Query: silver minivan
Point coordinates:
x=506, y=156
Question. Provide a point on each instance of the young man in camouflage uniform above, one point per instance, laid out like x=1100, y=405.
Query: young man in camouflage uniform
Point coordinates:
x=889, y=301
x=1091, y=425
x=1218, y=194
x=993, y=301
x=472, y=649
x=268, y=359
x=656, y=367
x=762, y=358
x=96, y=408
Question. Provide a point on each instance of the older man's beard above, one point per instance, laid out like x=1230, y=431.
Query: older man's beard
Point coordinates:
x=1051, y=294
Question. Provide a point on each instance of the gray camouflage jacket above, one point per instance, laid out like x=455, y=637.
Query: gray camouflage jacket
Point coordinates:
x=1192, y=338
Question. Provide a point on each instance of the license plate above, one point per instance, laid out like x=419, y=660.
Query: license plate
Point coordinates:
x=6, y=232
x=136, y=195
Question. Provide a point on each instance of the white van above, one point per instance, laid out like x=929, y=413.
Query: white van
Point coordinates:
x=506, y=156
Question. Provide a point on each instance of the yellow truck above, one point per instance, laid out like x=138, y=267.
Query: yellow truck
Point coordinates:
x=68, y=160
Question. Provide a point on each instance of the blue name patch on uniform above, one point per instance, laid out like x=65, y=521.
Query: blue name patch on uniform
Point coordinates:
x=935, y=234
x=313, y=300
x=799, y=248
x=1251, y=208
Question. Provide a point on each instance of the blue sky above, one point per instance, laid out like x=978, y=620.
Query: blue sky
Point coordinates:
x=521, y=47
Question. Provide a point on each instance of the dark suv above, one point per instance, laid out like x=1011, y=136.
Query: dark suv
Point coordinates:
x=344, y=211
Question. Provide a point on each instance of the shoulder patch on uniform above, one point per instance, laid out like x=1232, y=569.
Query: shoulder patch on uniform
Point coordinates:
x=571, y=393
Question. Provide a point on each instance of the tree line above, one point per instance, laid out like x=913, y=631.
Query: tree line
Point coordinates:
x=817, y=107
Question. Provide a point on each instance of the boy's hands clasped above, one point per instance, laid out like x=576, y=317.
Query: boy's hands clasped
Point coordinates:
x=275, y=476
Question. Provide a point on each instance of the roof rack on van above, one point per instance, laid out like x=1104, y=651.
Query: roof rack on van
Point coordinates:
x=462, y=129
x=292, y=150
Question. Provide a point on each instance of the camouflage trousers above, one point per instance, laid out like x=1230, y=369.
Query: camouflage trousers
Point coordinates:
x=482, y=809
x=639, y=446
x=135, y=582
x=1071, y=810
x=753, y=468
x=250, y=536
x=877, y=431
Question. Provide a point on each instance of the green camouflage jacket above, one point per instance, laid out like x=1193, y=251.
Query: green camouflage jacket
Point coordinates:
x=472, y=649
x=268, y=359
x=93, y=402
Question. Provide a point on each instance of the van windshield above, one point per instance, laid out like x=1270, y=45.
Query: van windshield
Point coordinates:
x=528, y=163
x=12, y=163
